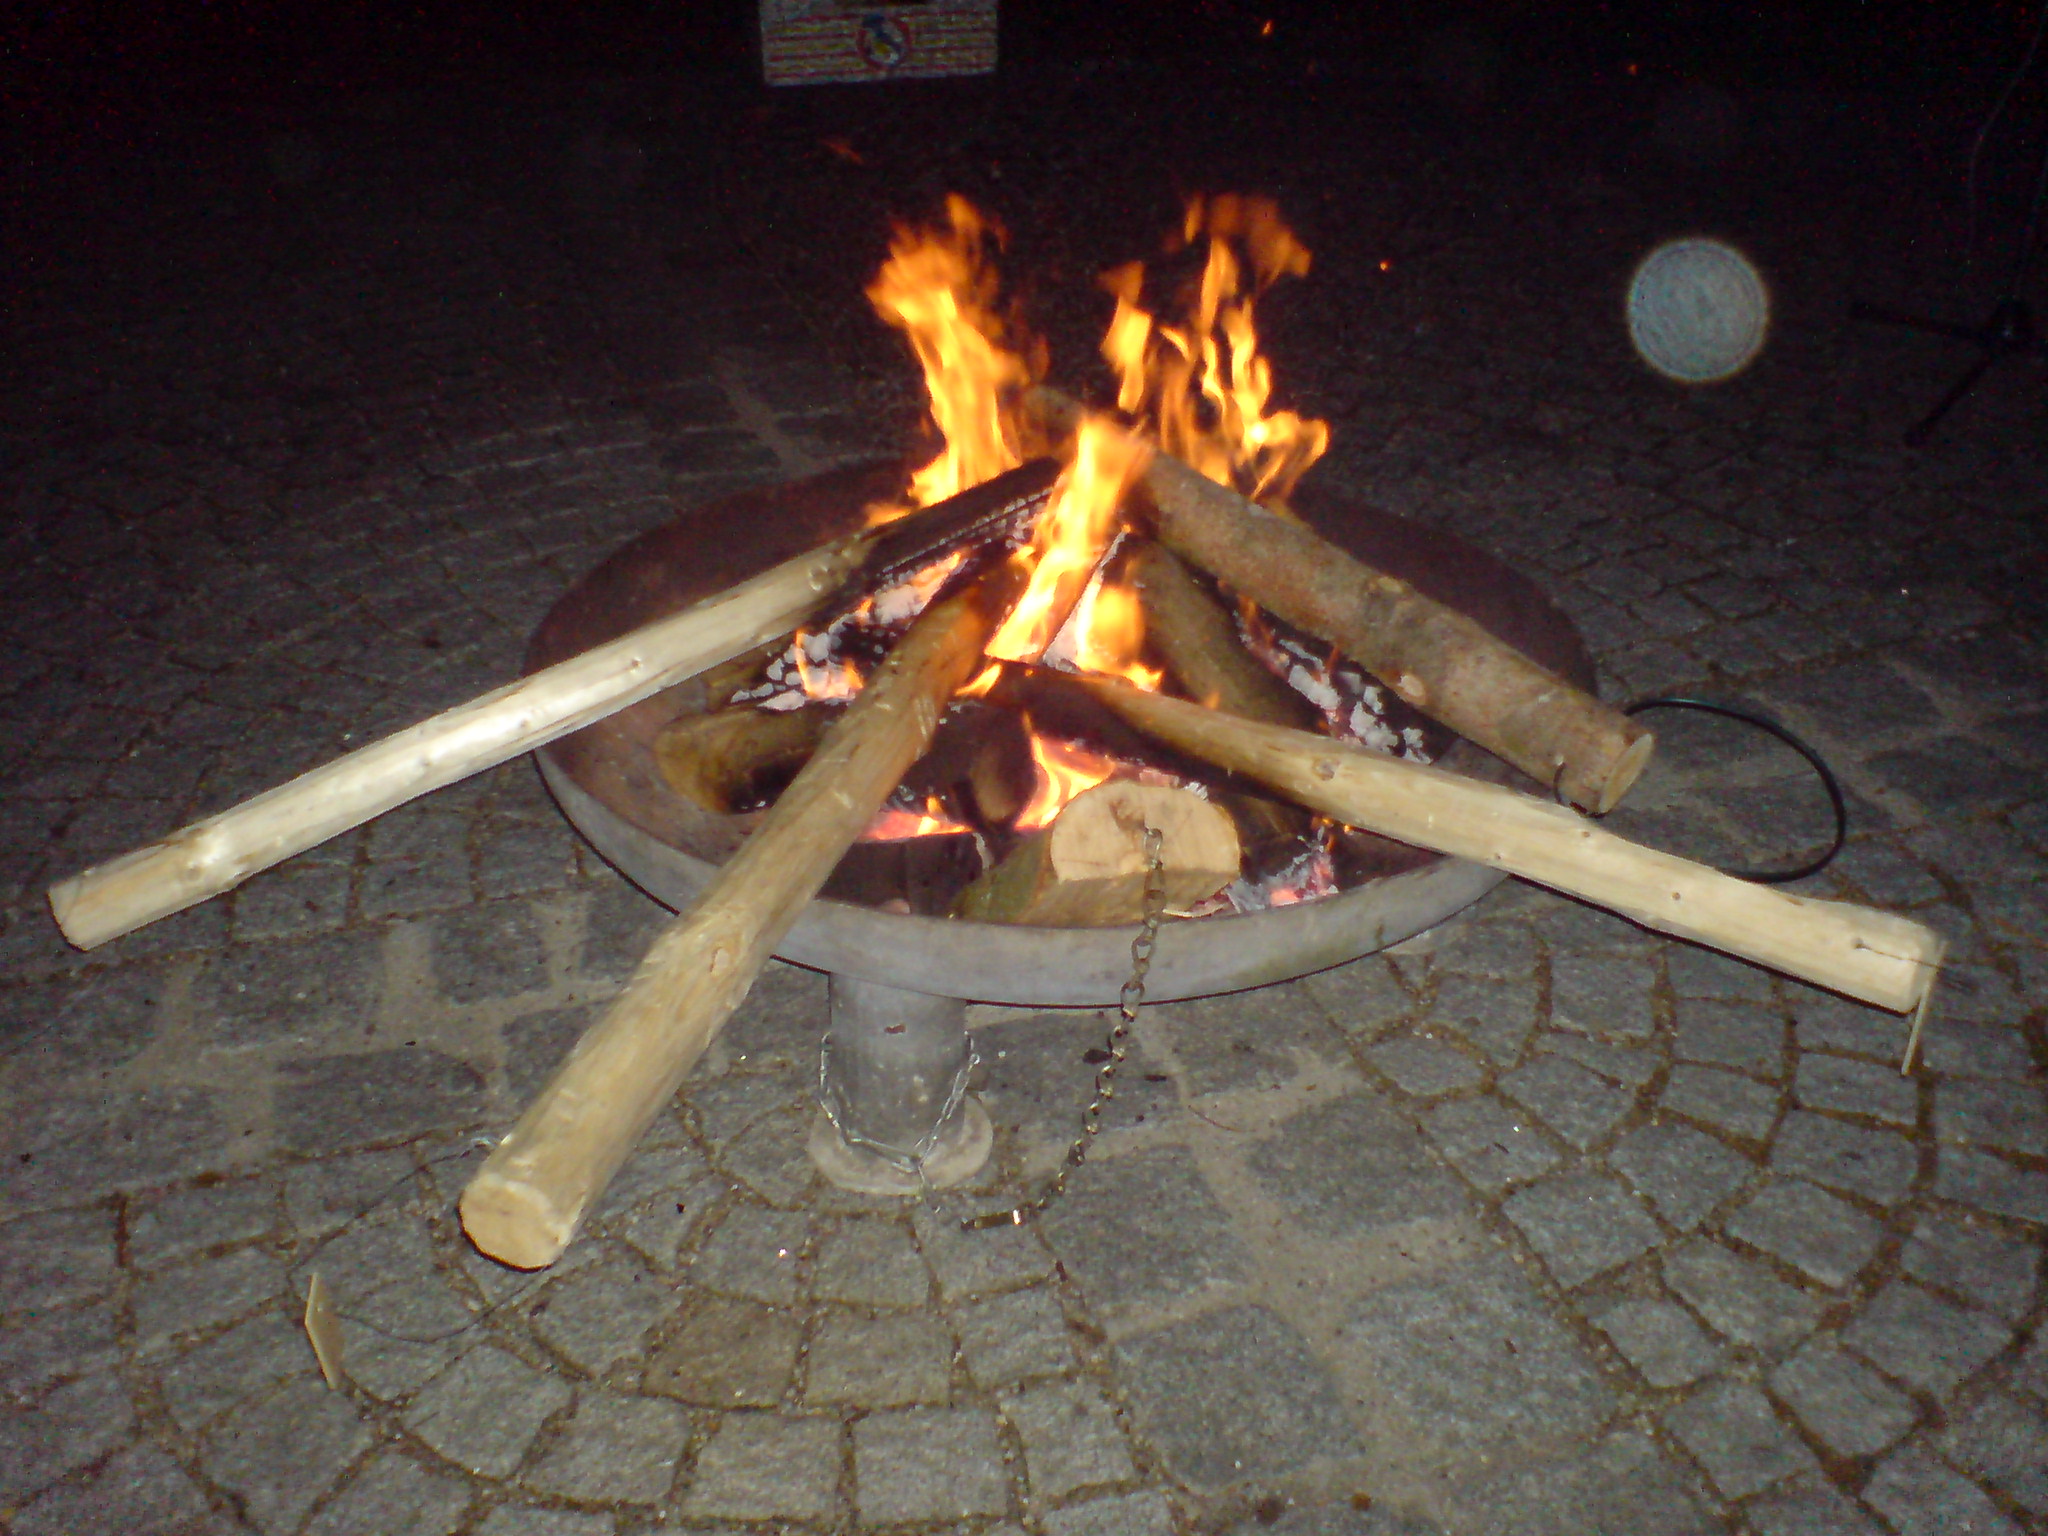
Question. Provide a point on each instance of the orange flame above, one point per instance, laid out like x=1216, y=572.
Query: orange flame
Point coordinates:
x=939, y=287
x=1064, y=771
x=892, y=824
x=1201, y=383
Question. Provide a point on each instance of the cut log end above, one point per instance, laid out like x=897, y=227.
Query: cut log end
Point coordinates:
x=1602, y=792
x=515, y=1223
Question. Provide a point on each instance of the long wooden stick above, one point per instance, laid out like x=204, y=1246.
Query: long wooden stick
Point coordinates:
x=220, y=852
x=1875, y=956
x=1436, y=658
x=524, y=1204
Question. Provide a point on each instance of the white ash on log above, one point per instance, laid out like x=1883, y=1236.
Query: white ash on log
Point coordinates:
x=1088, y=869
x=525, y=1203
x=1436, y=658
x=1881, y=958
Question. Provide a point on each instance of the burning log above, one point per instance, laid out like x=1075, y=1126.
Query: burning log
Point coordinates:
x=723, y=759
x=220, y=852
x=1434, y=657
x=525, y=1202
x=1878, y=957
x=1198, y=640
x=1088, y=869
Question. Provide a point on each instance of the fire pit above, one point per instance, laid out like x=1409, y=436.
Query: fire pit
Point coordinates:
x=608, y=783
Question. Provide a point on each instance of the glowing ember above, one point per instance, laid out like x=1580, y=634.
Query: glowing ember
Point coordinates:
x=893, y=824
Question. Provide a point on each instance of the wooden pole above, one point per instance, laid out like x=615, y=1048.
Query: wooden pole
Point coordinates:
x=1878, y=957
x=220, y=852
x=524, y=1204
x=1436, y=658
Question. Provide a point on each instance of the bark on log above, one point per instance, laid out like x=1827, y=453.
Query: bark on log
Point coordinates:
x=220, y=852
x=1875, y=956
x=719, y=760
x=1197, y=638
x=1436, y=658
x=1088, y=869
x=524, y=1204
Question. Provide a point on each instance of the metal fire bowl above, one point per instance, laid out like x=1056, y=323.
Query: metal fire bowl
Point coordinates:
x=606, y=781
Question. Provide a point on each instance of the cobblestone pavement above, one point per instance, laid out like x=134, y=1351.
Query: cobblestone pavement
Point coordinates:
x=1542, y=1224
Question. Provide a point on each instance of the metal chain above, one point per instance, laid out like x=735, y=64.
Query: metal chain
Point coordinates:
x=1129, y=1001
x=908, y=1160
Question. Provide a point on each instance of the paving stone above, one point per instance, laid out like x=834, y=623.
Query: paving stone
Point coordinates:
x=1580, y=1107
x=1853, y=1087
x=1144, y=1231
x=1739, y=1298
x=528, y=1520
x=1008, y=1339
x=1490, y=1144
x=317, y=992
x=870, y=1262
x=1633, y=1065
x=1425, y=1067
x=1682, y=1172
x=536, y=1044
x=1233, y=1395
x=1473, y=1360
x=1697, y=972
x=879, y=1362
x=71, y=1427
x=1922, y=1340
x=768, y=1157
x=615, y=1449
x=2011, y=1116
x=1957, y=1048
x=727, y=1353
x=278, y=1454
x=1362, y=998
x=56, y=1257
x=658, y=1199
x=1995, y=1271
x=1505, y=948
x=969, y=1264
x=93, y=1024
x=1040, y=1076
x=1622, y=1485
x=1822, y=1021
x=1921, y=1497
x=1747, y=1038
x=1741, y=1106
x=1878, y=1165
x=1843, y=1402
x=248, y=1360
x=186, y=1221
x=1730, y=1430
x=1659, y=1340
x=1246, y=1040
x=1494, y=1017
x=753, y=1252
x=760, y=1466
x=2002, y=1441
x=44, y=1346
x=1808, y=1508
x=1350, y=1168
x=1120, y=1514
x=67, y=1149
x=333, y=1103
x=1990, y=1183
x=483, y=1411
x=324, y=1196
x=1814, y=1232
x=1602, y=994
x=140, y=1489
x=1581, y=1224
x=207, y=1291
x=1071, y=1439
x=389, y=1494
x=928, y=1464
x=599, y=1315
x=1356, y=1516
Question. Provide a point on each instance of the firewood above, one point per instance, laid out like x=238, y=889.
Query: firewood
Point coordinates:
x=1088, y=869
x=1198, y=640
x=524, y=1204
x=1877, y=957
x=1436, y=658
x=220, y=852
x=721, y=760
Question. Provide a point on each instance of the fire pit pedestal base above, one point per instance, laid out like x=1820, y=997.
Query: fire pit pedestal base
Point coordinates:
x=892, y=1078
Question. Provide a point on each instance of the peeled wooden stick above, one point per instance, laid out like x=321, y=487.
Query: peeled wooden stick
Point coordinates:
x=1875, y=956
x=525, y=1202
x=219, y=853
x=1436, y=658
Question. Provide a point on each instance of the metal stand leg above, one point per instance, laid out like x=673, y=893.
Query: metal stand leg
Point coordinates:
x=892, y=1081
